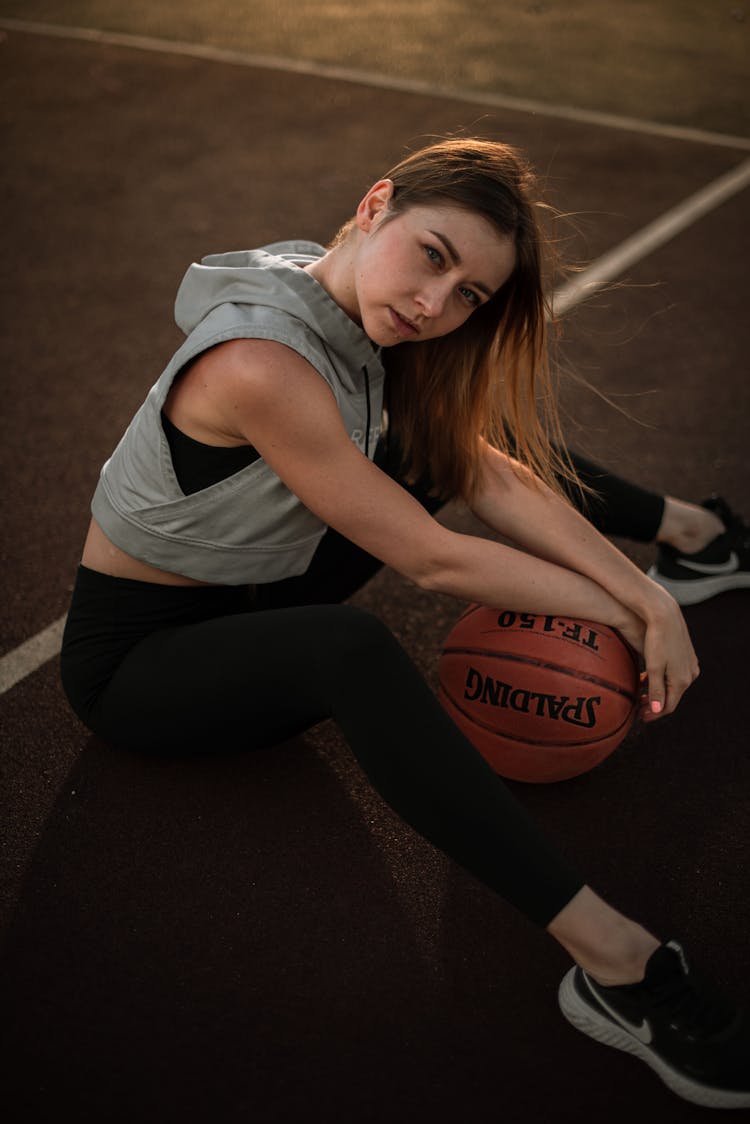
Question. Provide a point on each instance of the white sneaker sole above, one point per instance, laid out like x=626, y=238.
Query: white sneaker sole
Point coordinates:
x=693, y=591
x=580, y=1015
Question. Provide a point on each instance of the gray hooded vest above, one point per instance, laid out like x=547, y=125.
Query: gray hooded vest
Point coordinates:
x=249, y=527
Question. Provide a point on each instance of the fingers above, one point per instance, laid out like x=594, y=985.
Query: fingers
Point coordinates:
x=662, y=692
x=654, y=696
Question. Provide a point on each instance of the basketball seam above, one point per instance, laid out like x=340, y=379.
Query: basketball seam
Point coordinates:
x=572, y=673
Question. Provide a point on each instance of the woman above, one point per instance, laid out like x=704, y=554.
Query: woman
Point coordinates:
x=208, y=575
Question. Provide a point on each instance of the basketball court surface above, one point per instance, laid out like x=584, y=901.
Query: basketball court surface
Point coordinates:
x=256, y=937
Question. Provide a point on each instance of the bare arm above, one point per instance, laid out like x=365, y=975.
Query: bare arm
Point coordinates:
x=269, y=396
x=279, y=403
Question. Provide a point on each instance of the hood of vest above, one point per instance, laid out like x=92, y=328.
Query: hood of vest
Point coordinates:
x=274, y=277
x=247, y=527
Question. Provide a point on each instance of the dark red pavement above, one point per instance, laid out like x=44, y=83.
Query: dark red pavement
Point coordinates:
x=256, y=938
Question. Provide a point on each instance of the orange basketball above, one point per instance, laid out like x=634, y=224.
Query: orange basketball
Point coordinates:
x=543, y=698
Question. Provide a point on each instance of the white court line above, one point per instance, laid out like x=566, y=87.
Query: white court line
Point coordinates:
x=23, y=660
x=650, y=237
x=380, y=81
x=27, y=657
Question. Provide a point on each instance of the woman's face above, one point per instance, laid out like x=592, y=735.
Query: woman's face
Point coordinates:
x=420, y=274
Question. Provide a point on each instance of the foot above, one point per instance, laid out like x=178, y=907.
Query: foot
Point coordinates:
x=694, y=1039
x=722, y=565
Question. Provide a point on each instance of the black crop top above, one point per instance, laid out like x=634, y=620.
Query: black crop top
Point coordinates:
x=196, y=465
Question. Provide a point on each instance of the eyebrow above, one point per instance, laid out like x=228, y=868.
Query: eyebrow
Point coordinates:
x=457, y=260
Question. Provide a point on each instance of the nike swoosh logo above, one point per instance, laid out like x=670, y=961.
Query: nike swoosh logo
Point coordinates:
x=642, y=1032
x=728, y=567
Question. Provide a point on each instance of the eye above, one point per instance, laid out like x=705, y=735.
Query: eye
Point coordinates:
x=434, y=255
x=470, y=296
x=437, y=258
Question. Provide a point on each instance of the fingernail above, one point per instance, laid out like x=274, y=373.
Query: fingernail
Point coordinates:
x=655, y=706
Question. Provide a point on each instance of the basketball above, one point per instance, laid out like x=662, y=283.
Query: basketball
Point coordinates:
x=543, y=698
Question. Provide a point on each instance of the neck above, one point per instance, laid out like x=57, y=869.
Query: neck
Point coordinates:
x=335, y=273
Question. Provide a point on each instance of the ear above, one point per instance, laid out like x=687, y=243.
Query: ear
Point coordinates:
x=375, y=203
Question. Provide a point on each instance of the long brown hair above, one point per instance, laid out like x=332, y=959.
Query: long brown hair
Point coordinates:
x=490, y=378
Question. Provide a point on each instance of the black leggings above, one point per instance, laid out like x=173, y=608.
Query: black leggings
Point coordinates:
x=174, y=669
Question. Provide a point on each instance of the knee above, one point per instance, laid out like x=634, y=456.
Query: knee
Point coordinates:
x=356, y=646
x=348, y=653
x=361, y=660
x=356, y=632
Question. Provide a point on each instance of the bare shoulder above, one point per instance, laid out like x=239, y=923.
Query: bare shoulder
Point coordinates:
x=281, y=405
x=256, y=361
x=263, y=372
x=243, y=384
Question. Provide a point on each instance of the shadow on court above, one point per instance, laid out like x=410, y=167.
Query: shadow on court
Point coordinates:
x=255, y=937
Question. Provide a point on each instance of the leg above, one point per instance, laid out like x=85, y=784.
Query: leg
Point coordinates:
x=253, y=679
x=629, y=511
x=164, y=669
x=610, y=947
x=704, y=549
x=618, y=507
x=688, y=527
x=248, y=679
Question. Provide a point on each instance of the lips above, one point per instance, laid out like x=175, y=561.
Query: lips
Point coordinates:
x=401, y=325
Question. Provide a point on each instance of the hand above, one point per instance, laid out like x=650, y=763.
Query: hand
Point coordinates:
x=671, y=662
x=664, y=644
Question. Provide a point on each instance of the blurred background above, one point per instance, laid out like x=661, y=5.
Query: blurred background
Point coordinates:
x=683, y=62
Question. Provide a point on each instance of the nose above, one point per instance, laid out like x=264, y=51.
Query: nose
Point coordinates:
x=431, y=300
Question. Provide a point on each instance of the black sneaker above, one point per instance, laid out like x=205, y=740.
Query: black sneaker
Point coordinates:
x=723, y=564
x=696, y=1041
